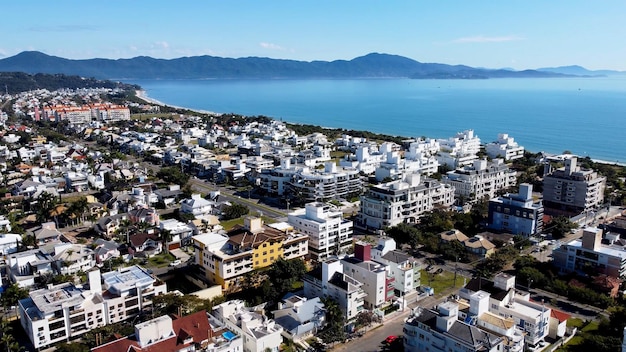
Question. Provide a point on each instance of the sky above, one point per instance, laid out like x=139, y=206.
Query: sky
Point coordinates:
x=494, y=34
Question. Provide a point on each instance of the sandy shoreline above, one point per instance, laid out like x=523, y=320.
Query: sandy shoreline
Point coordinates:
x=143, y=95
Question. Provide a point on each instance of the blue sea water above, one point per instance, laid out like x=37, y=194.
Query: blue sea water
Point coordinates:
x=586, y=116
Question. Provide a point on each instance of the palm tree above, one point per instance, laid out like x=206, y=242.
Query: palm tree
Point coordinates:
x=166, y=237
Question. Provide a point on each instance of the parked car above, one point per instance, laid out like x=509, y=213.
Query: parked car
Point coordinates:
x=390, y=339
x=177, y=262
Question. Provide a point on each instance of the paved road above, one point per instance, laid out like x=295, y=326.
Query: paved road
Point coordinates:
x=578, y=310
x=373, y=339
x=226, y=194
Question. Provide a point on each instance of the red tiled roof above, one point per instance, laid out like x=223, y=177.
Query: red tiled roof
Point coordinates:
x=194, y=325
x=560, y=316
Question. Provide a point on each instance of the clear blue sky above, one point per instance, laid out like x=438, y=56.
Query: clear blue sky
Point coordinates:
x=494, y=34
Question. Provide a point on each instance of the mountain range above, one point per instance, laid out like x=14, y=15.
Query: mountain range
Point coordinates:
x=205, y=67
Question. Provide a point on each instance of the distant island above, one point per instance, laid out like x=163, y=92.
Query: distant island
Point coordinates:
x=372, y=65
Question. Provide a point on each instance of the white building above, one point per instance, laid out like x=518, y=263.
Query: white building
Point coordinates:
x=329, y=233
x=329, y=280
x=9, y=242
x=58, y=313
x=404, y=269
x=367, y=157
x=197, y=206
x=459, y=150
x=505, y=301
x=440, y=330
x=300, y=317
x=377, y=283
x=481, y=179
x=504, y=147
x=399, y=201
x=311, y=185
x=259, y=333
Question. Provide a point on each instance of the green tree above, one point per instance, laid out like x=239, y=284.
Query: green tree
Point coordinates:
x=72, y=347
x=7, y=341
x=405, y=234
x=560, y=226
x=235, y=211
x=335, y=322
x=173, y=175
x=12, y=295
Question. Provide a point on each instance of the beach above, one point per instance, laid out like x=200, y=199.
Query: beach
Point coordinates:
x=143, y=95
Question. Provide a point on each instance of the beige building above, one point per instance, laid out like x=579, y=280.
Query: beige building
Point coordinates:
x=572, y=190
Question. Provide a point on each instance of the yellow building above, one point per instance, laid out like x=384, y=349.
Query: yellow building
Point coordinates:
x=225, y=258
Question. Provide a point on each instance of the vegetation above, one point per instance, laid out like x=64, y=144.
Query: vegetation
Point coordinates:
x=559, y=227
x=7, y=340
x=12, y=294
x=173, y=174
x=271, y=284
x=335, y=322
x=234, y=211
x=17, y=82
x=304, y=129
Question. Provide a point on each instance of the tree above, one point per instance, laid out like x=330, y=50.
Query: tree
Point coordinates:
x=405, y=233
x=7, y=341
x=335, y=322
x=235, y=211
x=284, y=273
x=560, y=226
x=173, y=174
x=72, y=347
x=12, y=295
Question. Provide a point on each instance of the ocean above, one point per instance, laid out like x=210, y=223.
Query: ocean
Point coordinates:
x=586, y=116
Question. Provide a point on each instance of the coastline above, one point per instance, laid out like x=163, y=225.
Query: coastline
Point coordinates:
x=143, y=95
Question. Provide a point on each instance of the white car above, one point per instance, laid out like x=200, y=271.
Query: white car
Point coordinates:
x=177, y=262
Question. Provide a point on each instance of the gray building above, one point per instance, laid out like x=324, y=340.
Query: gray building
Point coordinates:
x=572, y=190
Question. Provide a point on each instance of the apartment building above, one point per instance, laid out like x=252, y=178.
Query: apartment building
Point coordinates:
x=504, y=147
x=404, y=269
x=329, y=280
x=588, y=255
x=329, y=233
x=572, y=190
x=482, y=179
x=60, y=312
x=517, y=213
x=399, y=201
x=459, y=150
x=322, y=185
x=225, y=258
x=311, y=185
x=440, y=330
x=505, y=301
x=377, y=283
